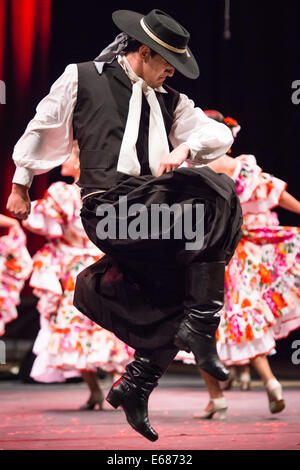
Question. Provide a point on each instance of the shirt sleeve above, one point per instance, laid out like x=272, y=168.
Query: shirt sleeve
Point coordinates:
x=48, y=138
x=206, y=138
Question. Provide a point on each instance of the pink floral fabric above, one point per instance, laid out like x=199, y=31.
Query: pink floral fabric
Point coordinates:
x=15, y=268
x=68, y=341
x=262, y=280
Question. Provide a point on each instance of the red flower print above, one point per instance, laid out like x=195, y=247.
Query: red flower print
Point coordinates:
x=249, y=332
x=246, y=303
x=265, y=274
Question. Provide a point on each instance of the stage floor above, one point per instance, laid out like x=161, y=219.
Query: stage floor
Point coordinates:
x=46, y=417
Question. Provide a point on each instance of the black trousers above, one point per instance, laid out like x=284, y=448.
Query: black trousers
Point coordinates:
x=137, y=290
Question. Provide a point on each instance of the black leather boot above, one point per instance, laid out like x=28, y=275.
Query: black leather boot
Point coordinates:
x=132, y=391
x=197, y=331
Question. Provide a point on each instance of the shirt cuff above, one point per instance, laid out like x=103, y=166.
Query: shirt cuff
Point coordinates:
x=190, y=157
x=193, y=152
x=23, y=176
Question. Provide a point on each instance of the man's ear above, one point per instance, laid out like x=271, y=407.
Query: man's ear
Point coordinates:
x=144, y=52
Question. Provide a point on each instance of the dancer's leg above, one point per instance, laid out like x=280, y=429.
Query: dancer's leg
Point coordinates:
x=217, y=402
x=203, y=300
x=133, y=389
x=232, y=377
x=273, y=387
x=212, y=385
x=262, y=366
x=96, y=397
x=244, y=377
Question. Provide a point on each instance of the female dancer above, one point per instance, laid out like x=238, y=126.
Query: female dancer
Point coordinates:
x=15, y=268
x=68, y=343
x=262, y=281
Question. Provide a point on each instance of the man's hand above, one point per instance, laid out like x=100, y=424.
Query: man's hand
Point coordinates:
x=174, y=159
x=18, y=202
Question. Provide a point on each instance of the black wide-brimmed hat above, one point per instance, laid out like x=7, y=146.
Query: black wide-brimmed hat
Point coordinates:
x=163, y=35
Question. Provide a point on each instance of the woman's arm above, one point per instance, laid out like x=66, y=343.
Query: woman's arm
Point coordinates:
x=8, y=221
x=288, y=202
x=224, y=164
x=28, y=227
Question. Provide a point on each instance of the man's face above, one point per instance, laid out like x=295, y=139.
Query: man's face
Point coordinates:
x=156, y=70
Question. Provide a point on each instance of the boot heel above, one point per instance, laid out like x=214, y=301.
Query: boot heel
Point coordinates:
x=113, y=399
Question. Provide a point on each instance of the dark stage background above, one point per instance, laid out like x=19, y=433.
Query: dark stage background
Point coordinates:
x=248, y=76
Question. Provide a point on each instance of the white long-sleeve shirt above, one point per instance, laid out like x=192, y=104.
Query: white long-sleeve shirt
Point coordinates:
x=48, y=138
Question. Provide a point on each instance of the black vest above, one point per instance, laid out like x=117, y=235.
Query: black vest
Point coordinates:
x=99, y=122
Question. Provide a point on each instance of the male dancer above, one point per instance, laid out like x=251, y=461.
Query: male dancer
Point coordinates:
x=133, y=134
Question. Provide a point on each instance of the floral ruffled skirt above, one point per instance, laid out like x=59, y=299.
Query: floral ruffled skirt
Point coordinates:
x=68, y=341
x=262, y=295
x=15, y=268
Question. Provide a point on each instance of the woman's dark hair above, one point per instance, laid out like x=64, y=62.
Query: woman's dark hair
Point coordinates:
x=214, y=114
x=217, y=116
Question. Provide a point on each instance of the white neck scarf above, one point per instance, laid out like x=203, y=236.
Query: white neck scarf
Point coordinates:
x=158, y=146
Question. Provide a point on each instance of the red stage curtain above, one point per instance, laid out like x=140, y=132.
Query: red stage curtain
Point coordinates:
x=25, y=28
x=2, y=36
x=23, y=35
x=31, y=22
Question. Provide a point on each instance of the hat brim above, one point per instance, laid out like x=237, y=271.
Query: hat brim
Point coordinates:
x=129, y=22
